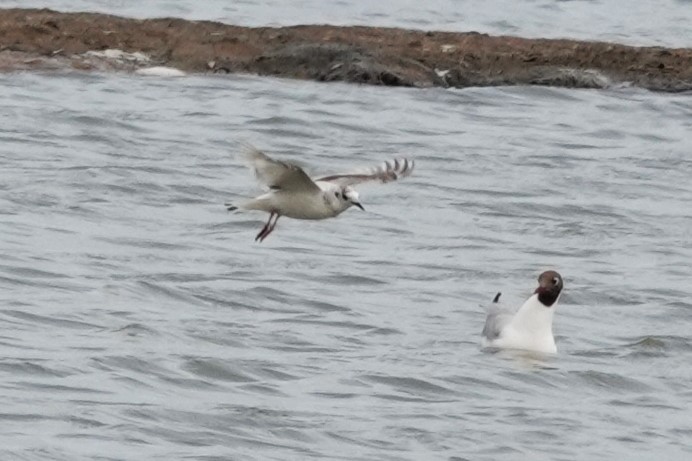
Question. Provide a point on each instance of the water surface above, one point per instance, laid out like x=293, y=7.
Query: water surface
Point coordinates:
x=141, y=321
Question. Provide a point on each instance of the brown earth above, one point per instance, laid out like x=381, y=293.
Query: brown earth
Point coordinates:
x=45, y=39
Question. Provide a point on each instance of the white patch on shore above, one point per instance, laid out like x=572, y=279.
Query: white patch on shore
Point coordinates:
x=119, y=55
x=160, y=71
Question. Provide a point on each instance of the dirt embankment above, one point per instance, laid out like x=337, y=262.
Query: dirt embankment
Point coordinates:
x=45, y=39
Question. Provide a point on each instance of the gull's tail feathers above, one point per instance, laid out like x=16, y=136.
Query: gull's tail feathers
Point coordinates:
x=254, y=204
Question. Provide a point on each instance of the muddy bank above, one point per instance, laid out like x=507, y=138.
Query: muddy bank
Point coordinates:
x=45, y=39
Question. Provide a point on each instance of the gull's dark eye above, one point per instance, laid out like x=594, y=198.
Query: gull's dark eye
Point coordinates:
x=337, y=194
x=556, y=281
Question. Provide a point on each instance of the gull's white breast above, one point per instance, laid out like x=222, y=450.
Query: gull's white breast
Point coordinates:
x=531, y=328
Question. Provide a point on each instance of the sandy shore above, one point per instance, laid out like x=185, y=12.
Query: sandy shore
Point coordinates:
x=45, y=39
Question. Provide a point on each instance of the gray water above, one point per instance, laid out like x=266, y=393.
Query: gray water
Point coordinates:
x=141, y=321
x=637, y=22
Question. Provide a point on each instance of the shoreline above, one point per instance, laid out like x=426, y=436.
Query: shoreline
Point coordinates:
x=42, y=39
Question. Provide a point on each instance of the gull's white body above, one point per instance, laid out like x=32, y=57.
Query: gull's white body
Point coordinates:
x=530, y=328
x=307, y=204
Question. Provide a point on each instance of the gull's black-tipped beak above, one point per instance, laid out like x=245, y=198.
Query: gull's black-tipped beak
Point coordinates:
x=359, y=205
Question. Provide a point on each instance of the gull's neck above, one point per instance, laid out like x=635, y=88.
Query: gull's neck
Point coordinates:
x=534, y=316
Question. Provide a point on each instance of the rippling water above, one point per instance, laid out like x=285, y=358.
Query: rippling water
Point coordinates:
x=638, y=22
x=141, y=321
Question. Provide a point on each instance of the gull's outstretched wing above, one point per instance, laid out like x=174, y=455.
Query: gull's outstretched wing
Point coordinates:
x=386, y=172
x=498, y=317
x=278, y=175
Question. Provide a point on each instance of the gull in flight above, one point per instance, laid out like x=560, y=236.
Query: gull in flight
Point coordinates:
x=294, y=194
x=531, y=327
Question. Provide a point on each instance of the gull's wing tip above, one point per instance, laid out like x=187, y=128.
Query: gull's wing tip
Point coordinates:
x=246, y=146
x=242, y=144
x=397, y=168
x=249, y=152
x=408, y=166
